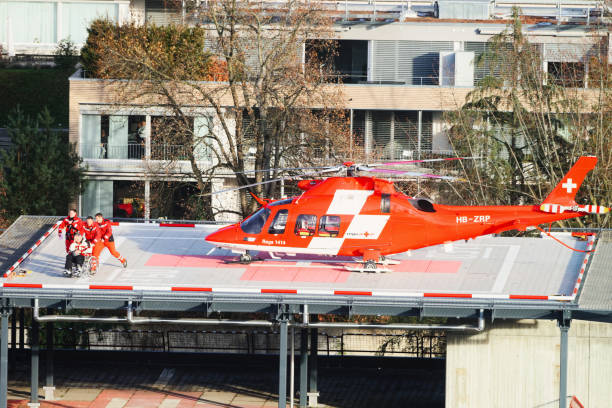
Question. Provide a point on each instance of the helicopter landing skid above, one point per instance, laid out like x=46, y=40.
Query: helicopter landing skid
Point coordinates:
x=371, y=266
x=365, y=269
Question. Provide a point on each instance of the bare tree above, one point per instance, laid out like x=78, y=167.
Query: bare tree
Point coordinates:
x=530, y=125
x=243, y=68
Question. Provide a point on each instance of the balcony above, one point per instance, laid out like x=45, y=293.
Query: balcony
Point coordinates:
x=131, y=158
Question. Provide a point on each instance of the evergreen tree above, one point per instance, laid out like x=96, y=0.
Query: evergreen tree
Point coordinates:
x=41, y=173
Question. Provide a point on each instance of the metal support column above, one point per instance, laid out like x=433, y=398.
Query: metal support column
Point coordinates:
x=49, y=388
x=3, y=357
x=21, y=329
x=282, y=367
x=147, y=199
x=13, y=355
x=419, y=133
x=564, y=325
x=313, y=392
x=303, y=367
x=34, y=348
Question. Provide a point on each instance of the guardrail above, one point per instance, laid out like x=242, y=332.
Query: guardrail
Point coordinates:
x=421, y=344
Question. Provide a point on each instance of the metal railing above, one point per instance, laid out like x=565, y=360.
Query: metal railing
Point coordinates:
x=418, y=344
x=136, y=151
x=112, y=151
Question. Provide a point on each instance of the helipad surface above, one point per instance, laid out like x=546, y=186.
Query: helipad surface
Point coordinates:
x=176, y=258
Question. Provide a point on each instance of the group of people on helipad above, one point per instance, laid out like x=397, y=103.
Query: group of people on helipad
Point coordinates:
x=87, y=238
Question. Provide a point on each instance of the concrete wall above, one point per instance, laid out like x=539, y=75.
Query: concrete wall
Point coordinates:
x=516, y=364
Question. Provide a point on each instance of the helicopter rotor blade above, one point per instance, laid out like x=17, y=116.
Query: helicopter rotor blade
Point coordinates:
x=288, y=169
x=400, y=162
x=410, y=173
x=288, y=178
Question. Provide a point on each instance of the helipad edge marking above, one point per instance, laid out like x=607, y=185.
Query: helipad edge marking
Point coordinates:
x=29, y=251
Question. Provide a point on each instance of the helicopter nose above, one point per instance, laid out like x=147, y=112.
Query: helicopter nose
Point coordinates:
x=225, y=234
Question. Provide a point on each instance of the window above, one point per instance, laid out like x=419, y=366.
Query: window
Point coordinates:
x=279, y=223
x=281, y=202
x=255, y=222
x=385, y=203
x=329, y=226
x=567, y=74
x=305, y=225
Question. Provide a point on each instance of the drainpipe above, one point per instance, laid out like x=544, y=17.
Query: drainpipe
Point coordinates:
x=401, y=326
x=254, y=323
x=131, y=320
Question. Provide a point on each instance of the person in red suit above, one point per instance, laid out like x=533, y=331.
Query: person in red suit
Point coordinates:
x=107, y=239
x=93, y=234
x=72, y=224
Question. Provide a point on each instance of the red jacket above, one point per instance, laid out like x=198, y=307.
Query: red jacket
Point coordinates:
x=93, y=233
x=72, y=225
x=106, y=230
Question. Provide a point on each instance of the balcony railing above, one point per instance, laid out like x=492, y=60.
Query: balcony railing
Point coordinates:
x=137, y=151
x=111, y=151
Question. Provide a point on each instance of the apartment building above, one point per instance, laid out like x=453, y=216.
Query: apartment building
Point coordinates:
x=403, y=65
x=36, y=26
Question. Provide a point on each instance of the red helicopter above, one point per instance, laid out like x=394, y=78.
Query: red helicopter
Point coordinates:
x=366, y=217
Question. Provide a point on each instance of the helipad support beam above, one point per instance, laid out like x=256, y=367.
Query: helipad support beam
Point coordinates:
x=564, y=325
x=35, y=347
x=282, y=366
x=3, y=357
x=21, y=328
x=313, y=392
x=49, y=388
x=303, y=367
x=13, y=355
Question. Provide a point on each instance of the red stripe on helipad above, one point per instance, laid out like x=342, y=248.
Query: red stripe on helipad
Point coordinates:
x=23, y=285
x=448, y=295
x=529, y=297
x=190, y=289
x=294, y=291
x=352, y=292
x=38, y=242
x=110, y=287
x=165, y=224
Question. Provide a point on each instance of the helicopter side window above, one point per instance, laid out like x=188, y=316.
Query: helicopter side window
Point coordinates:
x=305, y=225
x=279, y=222
x=329, y=226
x=255, y=222
x=385, y=203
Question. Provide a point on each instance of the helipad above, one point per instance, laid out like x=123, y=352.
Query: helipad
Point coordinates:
x=178, y=259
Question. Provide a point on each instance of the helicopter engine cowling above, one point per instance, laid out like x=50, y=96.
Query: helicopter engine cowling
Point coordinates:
x=308, y=184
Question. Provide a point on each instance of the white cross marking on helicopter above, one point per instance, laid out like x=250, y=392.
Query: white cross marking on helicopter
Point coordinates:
x=569, y=185
x=348, y=202
x=351, y=202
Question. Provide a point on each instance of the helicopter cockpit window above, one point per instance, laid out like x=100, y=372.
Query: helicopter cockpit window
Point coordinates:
x=305, y=225
x=329, y=226
x=255, y=222
x=279, y=222
x=281, y=202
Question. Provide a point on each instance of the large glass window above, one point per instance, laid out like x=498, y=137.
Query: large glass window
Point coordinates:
x=306, y=225
x=329, y=226
x=279, y=223
x=255, y=222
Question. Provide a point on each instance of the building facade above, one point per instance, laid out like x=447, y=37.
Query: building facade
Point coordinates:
x=400, y=75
